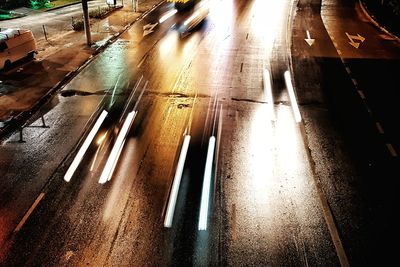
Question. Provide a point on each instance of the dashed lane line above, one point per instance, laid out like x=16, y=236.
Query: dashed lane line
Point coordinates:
x=379, y=127
x=391, y=150
x=29, y=212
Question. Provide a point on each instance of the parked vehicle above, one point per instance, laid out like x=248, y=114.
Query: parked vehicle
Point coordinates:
x=16, y=44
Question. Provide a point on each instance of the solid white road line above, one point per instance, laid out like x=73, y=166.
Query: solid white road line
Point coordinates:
x=205, y=195
x=268, y=92
x=29, y=212
x=78, y=158
x=117, y=148
x=169, y=215
x=293, y=101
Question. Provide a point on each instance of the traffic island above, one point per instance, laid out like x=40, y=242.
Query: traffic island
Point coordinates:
x=383, y=14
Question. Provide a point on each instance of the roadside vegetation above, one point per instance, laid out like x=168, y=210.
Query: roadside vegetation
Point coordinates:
x=99, y=13
x=5, y=14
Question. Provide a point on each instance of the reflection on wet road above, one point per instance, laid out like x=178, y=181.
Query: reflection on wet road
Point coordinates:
x=195, y=154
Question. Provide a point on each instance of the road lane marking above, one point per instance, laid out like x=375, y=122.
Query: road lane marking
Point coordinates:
x=268, y=92
x=205, y=195
x=379, y=127
x=293, y=101
x=310, y=41
x=29, y=212
x=169, y=215
x=361, y=93
x=360, y=38
x=78, y=158
x=326, y=211
x=117, y=148
x=355, y=37
x=149, y=28
x=142, y=60
x=391, y=150
x=339, y=52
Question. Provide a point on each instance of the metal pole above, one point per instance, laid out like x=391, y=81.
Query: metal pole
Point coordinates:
x=44, y=31
x=43, y=123
x=86, y=21
x=21, y=138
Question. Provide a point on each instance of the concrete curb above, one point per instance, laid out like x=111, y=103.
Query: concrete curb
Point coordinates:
x=22, y=119
x=373, y=21
x=19, y=16
x=58, y=7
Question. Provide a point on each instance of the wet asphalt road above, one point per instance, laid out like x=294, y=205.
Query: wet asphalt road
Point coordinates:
x=282, y=193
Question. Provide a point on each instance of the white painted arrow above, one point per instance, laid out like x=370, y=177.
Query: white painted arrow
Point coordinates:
x=355, y=37
x=309, y=41
x=148, y=28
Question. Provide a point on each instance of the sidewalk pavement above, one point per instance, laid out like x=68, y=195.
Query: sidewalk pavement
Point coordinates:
x=24, y=89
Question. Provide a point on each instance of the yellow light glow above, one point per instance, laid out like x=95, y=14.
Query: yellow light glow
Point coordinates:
x=101, y=139
x=168, y=43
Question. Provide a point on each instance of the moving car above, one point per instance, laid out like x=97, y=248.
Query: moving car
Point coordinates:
x=197, y=16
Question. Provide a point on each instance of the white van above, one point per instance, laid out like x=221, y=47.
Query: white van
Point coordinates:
x=16, y=44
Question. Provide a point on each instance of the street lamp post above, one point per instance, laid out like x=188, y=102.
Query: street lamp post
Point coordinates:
x=86, y=21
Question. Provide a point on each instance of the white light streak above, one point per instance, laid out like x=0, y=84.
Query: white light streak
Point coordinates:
x=167, y=15
x=293, y=101
x=268, y=92
x=191, y=18
x=101, y=139
x=78, y=158
x=205, y=195
x=176, y=182
x=117, y=148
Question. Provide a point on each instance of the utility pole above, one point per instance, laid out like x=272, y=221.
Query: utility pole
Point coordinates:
x=86, y=21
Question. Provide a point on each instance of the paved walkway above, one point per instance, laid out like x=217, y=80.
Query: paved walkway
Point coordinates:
x=23, y=88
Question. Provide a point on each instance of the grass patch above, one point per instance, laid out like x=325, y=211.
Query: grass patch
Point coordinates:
x=48, y=5
x=5, y=14
x=59, y=3
x=98, y=13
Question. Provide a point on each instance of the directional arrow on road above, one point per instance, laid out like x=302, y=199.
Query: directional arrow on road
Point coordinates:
x=149, y=28
x=309, y=41
x=355, y=37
